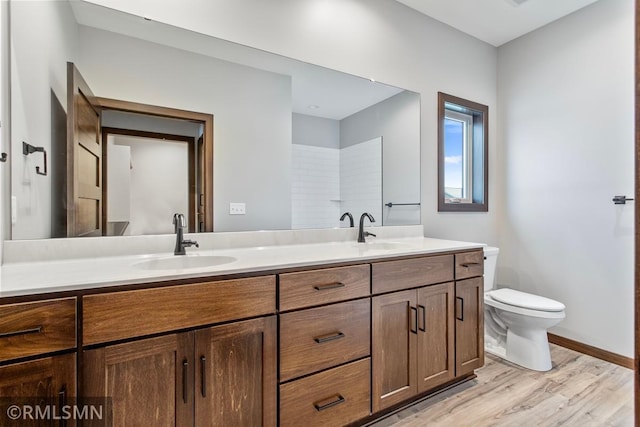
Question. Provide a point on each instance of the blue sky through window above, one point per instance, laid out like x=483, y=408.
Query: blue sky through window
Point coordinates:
x=453, y=146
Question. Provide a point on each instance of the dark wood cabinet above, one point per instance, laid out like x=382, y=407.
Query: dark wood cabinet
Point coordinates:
x=324, y=346
x=436, y=336
x=394, y=349
x=149, y=381
x=235, y=376
x=49, y=379
x=413, y=343
x=223, y=375
x=469, y=325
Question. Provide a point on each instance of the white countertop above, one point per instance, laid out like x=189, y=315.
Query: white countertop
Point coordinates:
x=25, y=278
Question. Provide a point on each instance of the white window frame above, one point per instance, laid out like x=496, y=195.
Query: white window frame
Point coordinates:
x=467, y=155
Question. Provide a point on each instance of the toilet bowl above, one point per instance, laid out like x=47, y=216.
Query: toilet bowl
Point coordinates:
x=516, y=322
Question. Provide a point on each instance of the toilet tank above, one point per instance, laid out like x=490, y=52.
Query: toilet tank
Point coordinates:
x=490, y=260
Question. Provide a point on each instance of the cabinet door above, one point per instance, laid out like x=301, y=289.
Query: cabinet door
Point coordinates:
x=436, y=336
x=469, y=325
x=149, y=381
x=394, y=345
x=46, y=380
x=236, y=374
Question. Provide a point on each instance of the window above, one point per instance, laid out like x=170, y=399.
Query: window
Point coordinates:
x=462, y=155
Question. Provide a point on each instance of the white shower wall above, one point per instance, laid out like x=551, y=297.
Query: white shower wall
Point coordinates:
x=315, y=187
x=361, y=179
x=328, y=181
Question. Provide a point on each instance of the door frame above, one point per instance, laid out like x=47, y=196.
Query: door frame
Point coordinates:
x=173, y=113
x=189, y=140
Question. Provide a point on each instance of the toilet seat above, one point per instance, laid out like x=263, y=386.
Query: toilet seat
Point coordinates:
x=525, y=300
x=490, y=301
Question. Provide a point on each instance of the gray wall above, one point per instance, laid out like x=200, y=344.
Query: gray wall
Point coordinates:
x=44, y=36
x=251, y=109
x=395, y=120
x=566, y=113
x=315, y=131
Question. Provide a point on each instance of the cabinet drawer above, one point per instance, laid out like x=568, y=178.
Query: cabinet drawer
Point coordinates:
x=319, y=338
x=335, y=397
x=469, y=264
x=316, y=287
x=32, y=328
x=410, y=273
x=119, y=315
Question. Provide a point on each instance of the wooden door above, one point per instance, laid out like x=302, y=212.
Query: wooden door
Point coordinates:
x=236, y=374
x=50, y=380
x=150, y=381
x=84, y=158
x=469, y=325
x=436, y=336
x=394, y=346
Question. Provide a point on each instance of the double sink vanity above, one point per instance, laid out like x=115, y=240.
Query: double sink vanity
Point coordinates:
x=278, y=328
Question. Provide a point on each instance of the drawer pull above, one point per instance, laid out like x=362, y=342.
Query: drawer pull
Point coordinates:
x=423, y=309
x=320, y=406
x=185, y=365
x=330, y=337
x=461, y=311
x=36, y=330
x=203, y=376
x=62, y=401
x=469, y=264
x=413, y=320
x=328, y=286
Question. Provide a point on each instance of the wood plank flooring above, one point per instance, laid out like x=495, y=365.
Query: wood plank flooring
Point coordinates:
x=579, y=391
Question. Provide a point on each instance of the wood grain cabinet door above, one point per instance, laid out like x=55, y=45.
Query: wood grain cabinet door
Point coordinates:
x=469, y=325
x=235, y=379
x=436, y=336
x=150, y=381
x=394, y=346
x=50, y=379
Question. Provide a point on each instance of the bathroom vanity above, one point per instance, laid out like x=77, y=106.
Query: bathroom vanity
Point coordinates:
x=319, y=334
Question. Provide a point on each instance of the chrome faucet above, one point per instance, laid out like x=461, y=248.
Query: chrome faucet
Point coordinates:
x=178, y=228
x=347, y=214
x=361, y=233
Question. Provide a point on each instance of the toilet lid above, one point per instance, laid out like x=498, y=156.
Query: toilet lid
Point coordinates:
x=525, y=300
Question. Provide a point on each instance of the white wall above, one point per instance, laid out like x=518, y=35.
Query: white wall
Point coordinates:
x=118, y=182
x=382, y=39
x=36, y=27
x=566, y=143
x=159, y=183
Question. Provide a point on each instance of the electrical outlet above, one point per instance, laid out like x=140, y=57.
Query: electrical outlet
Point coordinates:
x=237, y=208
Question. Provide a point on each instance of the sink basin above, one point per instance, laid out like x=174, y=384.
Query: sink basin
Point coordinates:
x=183, y=262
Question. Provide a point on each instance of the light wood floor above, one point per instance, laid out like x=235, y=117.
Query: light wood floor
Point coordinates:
x=579, y=391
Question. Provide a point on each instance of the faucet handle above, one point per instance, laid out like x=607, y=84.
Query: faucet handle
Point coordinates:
x=189, y=243
x=366, y=233
x=178, y=220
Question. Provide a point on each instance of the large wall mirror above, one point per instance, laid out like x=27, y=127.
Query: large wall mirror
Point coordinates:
x=293, y=145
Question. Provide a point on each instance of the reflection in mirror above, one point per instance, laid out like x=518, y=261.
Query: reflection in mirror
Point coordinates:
x=269, y=112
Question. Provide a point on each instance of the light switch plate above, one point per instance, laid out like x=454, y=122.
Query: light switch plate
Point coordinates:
x=237, y=208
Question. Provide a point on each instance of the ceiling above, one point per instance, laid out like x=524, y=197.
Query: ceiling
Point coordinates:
x=496, y=21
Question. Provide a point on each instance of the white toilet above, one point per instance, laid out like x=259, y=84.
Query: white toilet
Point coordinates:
x=516, y=323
